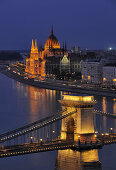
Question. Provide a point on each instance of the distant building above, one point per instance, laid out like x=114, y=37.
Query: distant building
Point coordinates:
x=109, y=74
x=75, y=63
x=92, y=71
x=75, y=49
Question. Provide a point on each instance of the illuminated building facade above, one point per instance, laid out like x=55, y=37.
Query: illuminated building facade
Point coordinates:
x=65, y=64
x=75, y=62
x=92, y=71
x=109, y=74
x=80, y=125
x=35, y=64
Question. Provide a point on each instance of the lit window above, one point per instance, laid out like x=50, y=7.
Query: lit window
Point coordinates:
x=104, y=79
x=82, y=76
x=89, y=77
x=114, y=79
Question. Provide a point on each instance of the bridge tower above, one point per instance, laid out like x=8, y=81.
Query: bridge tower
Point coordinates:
x=81, y=124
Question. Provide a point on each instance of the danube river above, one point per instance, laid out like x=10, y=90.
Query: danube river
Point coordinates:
x=21, y=104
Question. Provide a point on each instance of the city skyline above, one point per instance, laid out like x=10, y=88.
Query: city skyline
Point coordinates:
x=87, y=24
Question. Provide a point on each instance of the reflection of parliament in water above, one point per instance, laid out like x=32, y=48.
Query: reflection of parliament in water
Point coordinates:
x=79, y=126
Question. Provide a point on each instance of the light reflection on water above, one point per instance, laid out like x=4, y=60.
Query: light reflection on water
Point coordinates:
x=26, y=104
x=69, y=159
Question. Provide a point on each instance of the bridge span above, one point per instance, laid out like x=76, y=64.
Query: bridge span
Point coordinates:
x=71, y=128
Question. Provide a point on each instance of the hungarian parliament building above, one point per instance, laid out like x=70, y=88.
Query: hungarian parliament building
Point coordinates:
x=51, y=58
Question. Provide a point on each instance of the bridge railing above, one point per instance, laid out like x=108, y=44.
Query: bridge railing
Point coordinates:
x=104, y=114
x=31, y=124
x=41, y=128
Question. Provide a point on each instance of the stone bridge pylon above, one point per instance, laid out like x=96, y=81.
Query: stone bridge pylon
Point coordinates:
x=81, y=125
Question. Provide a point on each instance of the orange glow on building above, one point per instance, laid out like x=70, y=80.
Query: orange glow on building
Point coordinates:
x=82, y=77
x=104, y=79
x=35, y=64
x=52, y=42
x=114, y=79
x=89, y=77
x=80, y=125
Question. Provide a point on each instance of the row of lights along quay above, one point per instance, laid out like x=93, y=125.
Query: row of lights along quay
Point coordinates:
x=65, y=68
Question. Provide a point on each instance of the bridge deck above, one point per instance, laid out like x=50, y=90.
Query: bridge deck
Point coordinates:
x=45, y=146
x=37, y=147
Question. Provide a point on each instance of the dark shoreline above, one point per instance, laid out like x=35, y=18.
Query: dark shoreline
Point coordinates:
x=52, y=86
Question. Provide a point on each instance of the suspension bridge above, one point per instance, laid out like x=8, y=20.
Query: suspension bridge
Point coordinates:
x=71, y=128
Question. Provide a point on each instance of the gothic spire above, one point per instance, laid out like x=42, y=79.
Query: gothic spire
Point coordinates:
x=36, y=48
x=32, y=47
x=36, y=45
x=52, y=31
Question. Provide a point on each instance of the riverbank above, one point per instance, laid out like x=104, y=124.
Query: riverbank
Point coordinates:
x=59, y=85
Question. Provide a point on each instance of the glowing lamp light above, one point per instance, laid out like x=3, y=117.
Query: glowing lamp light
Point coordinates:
x=104, y=79
x=89, y=77
x=82, y=76
x=110, y=48
x=78, y=98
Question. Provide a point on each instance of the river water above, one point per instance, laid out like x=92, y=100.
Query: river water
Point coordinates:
x=21, y=104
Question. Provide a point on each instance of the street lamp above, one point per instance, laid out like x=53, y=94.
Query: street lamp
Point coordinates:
x=111, y=129
x=53, y=134
x=31, y=139
x=41, y=141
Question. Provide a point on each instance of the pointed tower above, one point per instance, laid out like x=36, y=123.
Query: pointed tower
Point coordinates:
x=36, y=48
x=52, y=31
x=32, y=47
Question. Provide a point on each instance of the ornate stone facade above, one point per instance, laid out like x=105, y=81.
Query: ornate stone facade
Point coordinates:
x=80, y=125
x=35, y=62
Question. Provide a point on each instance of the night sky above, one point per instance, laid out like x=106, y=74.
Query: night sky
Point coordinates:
x=86, y=23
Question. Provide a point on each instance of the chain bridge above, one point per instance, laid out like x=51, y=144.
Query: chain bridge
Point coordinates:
x=71, y=128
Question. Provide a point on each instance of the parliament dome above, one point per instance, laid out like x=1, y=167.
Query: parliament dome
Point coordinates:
x=52, y=41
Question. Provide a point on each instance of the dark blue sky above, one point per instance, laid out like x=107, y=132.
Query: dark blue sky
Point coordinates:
x=87, y=23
